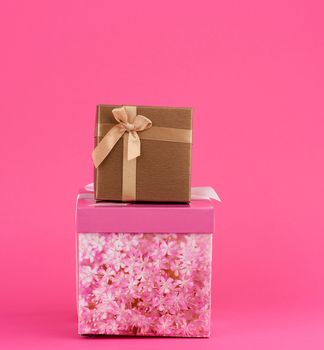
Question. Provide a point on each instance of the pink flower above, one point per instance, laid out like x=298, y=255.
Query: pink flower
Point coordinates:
x=117, y=242
x=165, y=285
x=87, y=275
x=165, y=326
x=108, y=327
x=157, y=303
x=144, y=284
x=185, y=282
x=130, y=242
x=118, y=261
x=167, y=247
x=176, y=302
x=159, y=263
x=186, y=267
x=141, y=322
x=132, y=287
x=190, y=328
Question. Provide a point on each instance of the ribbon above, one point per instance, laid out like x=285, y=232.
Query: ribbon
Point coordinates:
x=129, y=124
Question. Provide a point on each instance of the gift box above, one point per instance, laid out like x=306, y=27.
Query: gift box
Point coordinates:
x=142, y=153
x=144, y=269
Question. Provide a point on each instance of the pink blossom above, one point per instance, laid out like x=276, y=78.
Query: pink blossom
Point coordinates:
x=144, y=284
x=87, y=275
x=108, y=327
x=167, y=247
x=165, y=325
x=165, y=285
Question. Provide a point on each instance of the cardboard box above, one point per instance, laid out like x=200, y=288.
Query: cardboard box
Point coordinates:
x=162, y=173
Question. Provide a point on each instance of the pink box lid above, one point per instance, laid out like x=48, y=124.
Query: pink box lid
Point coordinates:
x=196, y=217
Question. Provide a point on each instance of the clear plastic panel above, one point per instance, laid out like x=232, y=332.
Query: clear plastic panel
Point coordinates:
x=149, y=284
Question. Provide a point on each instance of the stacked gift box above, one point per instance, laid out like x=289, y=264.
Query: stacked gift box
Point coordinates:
x=144, y=236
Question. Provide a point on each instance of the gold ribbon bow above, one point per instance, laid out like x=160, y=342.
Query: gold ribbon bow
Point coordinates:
x=129, y=123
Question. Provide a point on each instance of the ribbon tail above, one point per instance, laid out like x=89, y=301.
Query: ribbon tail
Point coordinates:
x=89, y=187
x=133, y=146
x=204, y=193
x=108, y=142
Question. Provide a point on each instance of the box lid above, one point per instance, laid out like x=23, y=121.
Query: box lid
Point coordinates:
x=195, y=217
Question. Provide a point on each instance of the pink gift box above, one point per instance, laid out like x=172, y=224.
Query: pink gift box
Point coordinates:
x=144, y=269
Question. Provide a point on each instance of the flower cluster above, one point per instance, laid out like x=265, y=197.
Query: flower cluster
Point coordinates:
x=144, y=284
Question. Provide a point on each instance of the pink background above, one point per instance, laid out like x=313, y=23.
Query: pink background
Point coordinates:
x=253, y=72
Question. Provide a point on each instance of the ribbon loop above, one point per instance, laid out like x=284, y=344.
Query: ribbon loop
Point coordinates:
x=142, y=123
x=120, y=115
